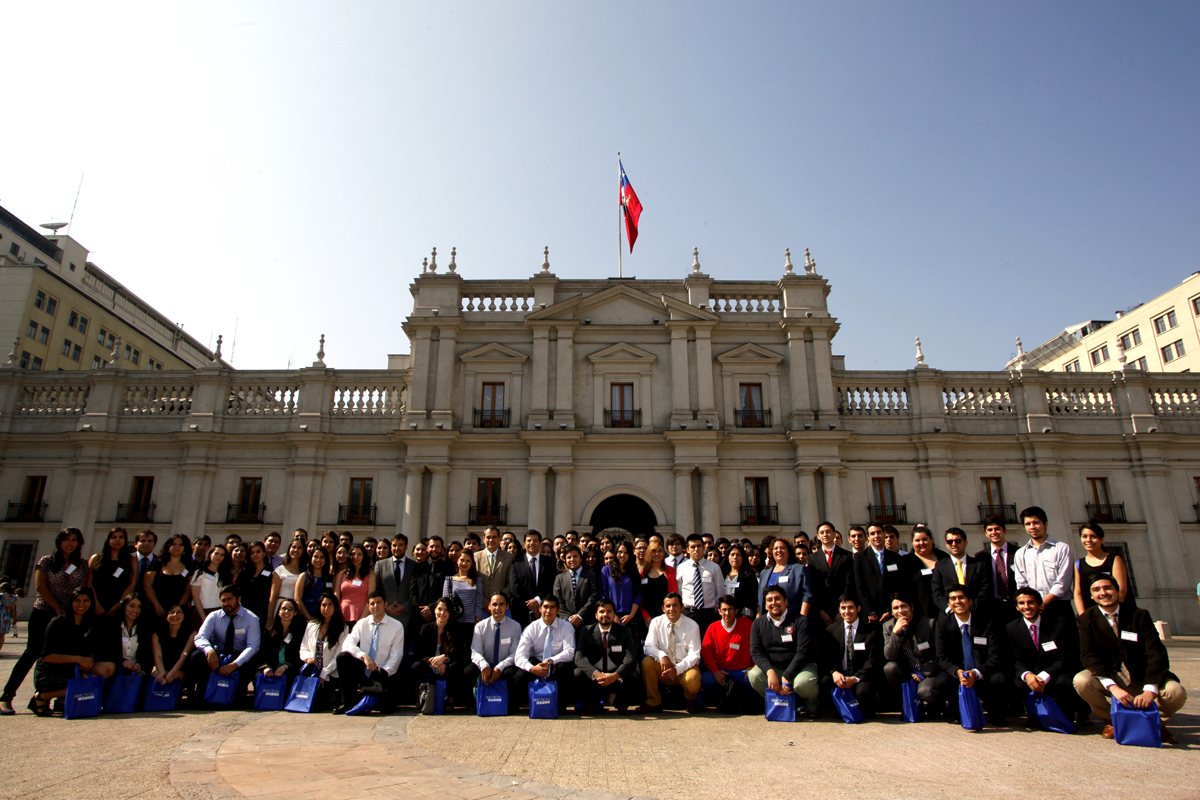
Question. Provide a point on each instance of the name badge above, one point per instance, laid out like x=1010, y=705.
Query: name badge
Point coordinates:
x=356, y=582
x=783, y=578
x=734, y=646
x=645, y=581
x=183, y=574
x=616, y=648
x=506, y=641
x=118, y=571
x=1048, y=646
x=239, y=631
x=1129, y=636
x=893, y=567
x=926, y=572
x=287, y=639
x=922, y=645
x=980, y=640
x=211, y=577
x=70, y=568
x=733, y=584
x=787, y=637
x=265, y=573
x=860, y=645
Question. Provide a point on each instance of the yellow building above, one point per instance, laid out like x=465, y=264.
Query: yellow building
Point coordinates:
x=65, y=313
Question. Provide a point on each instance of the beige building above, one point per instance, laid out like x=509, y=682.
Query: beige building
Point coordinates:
x=687, y=405
x=1162, y=335
x=65, y=313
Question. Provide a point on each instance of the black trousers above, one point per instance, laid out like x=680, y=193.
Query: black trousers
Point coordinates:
x=864, y=692
x=460, y=679
x=39, y=618
x=588, y=691
x=352, y=674
x=702, y=617
x=562, y=674
x=927, y=689
x=1061, y=689
x=198, y=671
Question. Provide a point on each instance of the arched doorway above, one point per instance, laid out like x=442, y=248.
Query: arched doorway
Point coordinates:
x=625, y=511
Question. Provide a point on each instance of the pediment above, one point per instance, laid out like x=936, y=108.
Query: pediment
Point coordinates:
x=686, y=311
x=623, y=352
x=494, y=352
x=750, y=353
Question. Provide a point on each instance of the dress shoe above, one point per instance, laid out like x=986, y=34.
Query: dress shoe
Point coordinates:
x=623, y=710
x=647, y=709
x=340, y=710
x=1167, y=736
x=6, y=709
x=1082, y=720
x=1107, y=733
x=692, y=707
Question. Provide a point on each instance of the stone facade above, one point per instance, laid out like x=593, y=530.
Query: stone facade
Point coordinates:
x=686, y=405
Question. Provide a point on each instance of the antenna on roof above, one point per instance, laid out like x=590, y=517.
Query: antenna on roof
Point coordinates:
x=77, y=191
x=233, y=350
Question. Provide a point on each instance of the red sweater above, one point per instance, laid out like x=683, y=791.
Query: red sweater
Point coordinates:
x=717, y=652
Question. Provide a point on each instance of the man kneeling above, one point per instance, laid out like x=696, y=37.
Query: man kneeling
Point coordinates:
x=672, y=655
x=605, y=661
x=781, y=648
x=374, y=646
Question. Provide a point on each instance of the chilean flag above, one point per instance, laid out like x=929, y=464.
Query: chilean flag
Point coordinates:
x=632, y=207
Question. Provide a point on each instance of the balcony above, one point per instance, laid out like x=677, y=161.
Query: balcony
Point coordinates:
x=1007, y=513
x=26, y=512
x=760, y=515
x=888, y=514
x=623, y=418
x=491, y=418
x=1106, y=512
x=1196, y=508
x=487, y=515
x=356, y=515
x=245, y=515
x=135, y=512
x=747, y=418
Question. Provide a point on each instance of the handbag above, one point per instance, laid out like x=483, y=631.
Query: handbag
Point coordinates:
x=780, y=707
x=847, y=706
x=270, y=692
x=161, y=696
x=911, y=704
x=221, y=689
x=491, y=699
x=123, y=693
x=1136, y=726
x=1042, y=708
x=543, y=699
x=304, y=691
x=84, y=696
x=432, y=698
x=970, y=710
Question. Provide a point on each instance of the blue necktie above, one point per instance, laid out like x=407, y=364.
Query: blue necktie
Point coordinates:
x=374, y=641
x=880, y=554
x=548, y=650
x=968, y=652
x=496, y=644
x=697, y=587
x=574, y=579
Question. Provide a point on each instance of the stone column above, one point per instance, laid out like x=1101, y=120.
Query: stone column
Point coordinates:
x=564, y=511
x=680, y=401
x=801, y=410
x=806, y=480
x=563, y=411
x=710, y=502
x=704, y=372
x=413, y=490
x=537, y=499
x=438, y=497
x=685, y=518
x=418, y=396
x=445, y=369
x=834, y=512
x=541, y=371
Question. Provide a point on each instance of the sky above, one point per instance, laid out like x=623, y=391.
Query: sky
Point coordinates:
x=963, y=172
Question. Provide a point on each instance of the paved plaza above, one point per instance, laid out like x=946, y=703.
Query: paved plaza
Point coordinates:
x=233, y=754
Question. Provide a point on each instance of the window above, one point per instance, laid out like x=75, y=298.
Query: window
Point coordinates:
x=491, y=410
x=1172, y=352
x=76, y=352
x=17, y=561
x=51, y=306
x=95, y=362
x=1165, y=322
x=72, y=267
x=128, y=351
x=1139, y=363
x=158, y=365
x=143, y=488
x=31, y=508
x=24, y=363
x=1099, y=355
x=15, y=249
x=884, y=491
x=1131, y=339
x=37, y=364
x=150, y=364
x=993, y=492
x=248, y=508
x=488, y=510
x=39, y=299
x=139, y=508
x=82, y=326
x=622, y=405
x=73, y=320
x=359, y=511
x=44, y=336
x=1072, y=366
x=750, y=415
x=66, y=351
x=758, y=509
x=112, y=342
x=1196, y=306
x=32, y=330
x=1098, y=487
x=136, y=356
x=100, y=336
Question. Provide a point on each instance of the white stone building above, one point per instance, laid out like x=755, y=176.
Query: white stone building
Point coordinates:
x=683, y=405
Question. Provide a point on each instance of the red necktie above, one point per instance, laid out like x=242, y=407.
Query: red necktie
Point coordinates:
x=1033, y=635
x=829, y=559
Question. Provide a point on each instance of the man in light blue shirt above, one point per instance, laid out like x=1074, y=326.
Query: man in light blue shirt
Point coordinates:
x=1045, y=565
x=494, y=646
x=233, y=631
x=547, y=652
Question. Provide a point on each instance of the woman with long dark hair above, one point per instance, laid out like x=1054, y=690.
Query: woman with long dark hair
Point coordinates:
x=207, y=582
x=70, y=641
x=168, y=584
x=741, y=581
x=1097, y=561
x=464, y=584
x=283, y=582
x=56, y=578
x=279, y=652
x=354, y=584
x=114, y=572
x=125, y=641
x=312, y=584
x=324, y=636
x=443, y=652
x=255, y=580
x=621, y=583
x=172, y=643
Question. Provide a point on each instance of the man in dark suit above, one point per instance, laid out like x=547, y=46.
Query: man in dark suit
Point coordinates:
x=878, y=574
x=493, y=564
x=577, y=589
x=430, y=578
x=832, y=571
x=1121, y=655
x=909, y=652
x=999, y=554
x=606, y=662
x=393, y=577
x=530, y=579
x=963, y=570
x=1045, y=652
x=854, y=654
x=969, y=653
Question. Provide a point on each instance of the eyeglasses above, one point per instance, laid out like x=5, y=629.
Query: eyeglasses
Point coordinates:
x=956, y=541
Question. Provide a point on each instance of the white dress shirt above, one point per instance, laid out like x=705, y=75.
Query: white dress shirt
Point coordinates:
x=1047, y=568
x=389, y=648
x=483, y=642
x=711, y=583
x=687, y=642
x=532, y=647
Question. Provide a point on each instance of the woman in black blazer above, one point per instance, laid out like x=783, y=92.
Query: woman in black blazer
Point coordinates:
x=126, y=640
x=919, y=564
x=740, y=581
x=443, y=653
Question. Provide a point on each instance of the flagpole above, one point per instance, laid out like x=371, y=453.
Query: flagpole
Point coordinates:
x=620, y=219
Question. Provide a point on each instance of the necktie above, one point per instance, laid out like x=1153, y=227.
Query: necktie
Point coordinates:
x=910, y=650
x=374, y=641
x=958, y=569
x=1122, y=670
x=574, y=580
x=879, y=555
x=671, y=642
x=533, y=569
x=548, y=650
x=848, y=658
x=697, y=587
x=604, y=644
x=829, y=558
x=1001, y=576
x=228, y=647
x=399, y=571
x=491, y=563
x=968, y=652
x=1033, y=634
x=142, y=564
x=496, y=644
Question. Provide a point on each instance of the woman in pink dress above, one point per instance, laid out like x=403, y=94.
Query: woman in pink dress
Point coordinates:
x=354, y=584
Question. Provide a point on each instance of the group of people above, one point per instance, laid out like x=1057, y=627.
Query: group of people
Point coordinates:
x=623, y=623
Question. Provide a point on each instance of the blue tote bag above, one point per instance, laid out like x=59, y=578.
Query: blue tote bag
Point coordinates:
x=364, y=706
x=1047, y=713
x=161, y=696
x=781, y=707
x=1135, y=726
x=270, y=692
x=970, y=710
x=847, y=706
x=543, y=699
x=221, y=689
x=304, y=691
x=911, y=705
x=123, y=693
x=491, y=699
x=84, y=697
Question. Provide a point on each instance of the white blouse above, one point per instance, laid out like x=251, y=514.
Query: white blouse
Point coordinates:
x=310, y=643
